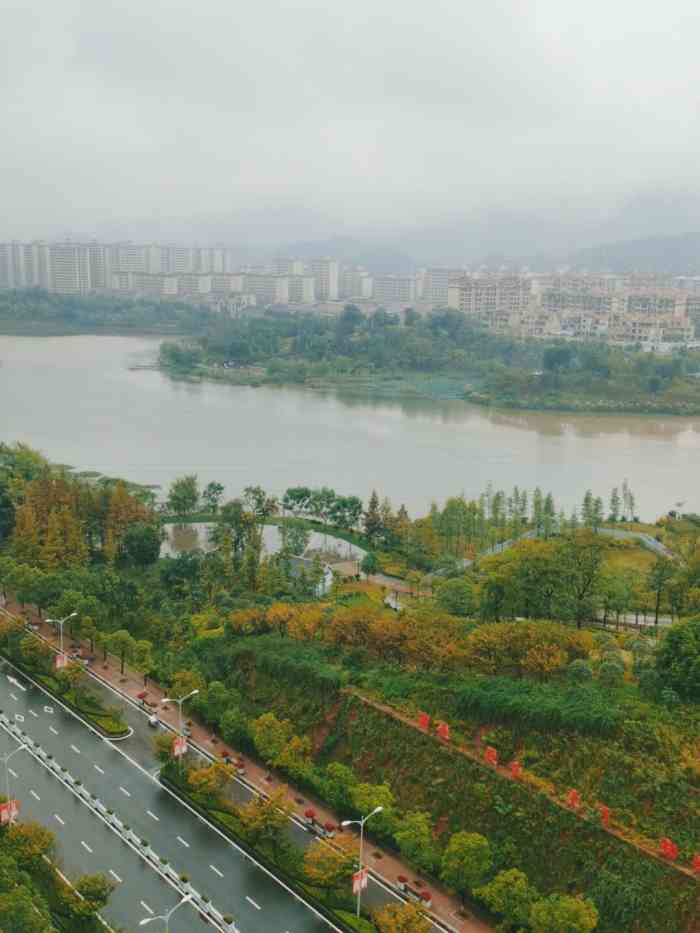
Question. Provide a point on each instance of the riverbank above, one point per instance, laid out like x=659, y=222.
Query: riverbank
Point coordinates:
x=438, y=387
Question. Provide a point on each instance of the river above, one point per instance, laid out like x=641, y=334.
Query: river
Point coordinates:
x=77, y=400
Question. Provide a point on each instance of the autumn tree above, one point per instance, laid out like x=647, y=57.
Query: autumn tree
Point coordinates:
x=331, y=866
x=271, y=735
x=401, y=918
x=95, y=889
x=25, y=545
x=209, y=781
x=264, y=819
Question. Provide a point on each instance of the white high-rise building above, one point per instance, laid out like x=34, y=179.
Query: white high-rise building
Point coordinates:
x=327, y=274
x=70, y=268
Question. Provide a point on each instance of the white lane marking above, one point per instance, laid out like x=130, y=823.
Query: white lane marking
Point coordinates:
x=13, y=773
x=251, y=901
x=182, y=841
x=98, y=768
x=76, y=750
x=86, y=846
x=32, y=713
x=153, y=816
x=19, y=717
x=115, y=876
x=13, y=696
x=35, y=795
x=57, y=817
x=216, y=871
x=146, y=907
x=49, y=710
x=124, y=791
x=55, y=731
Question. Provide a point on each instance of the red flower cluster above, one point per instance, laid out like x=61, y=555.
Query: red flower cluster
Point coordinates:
x=573, y=799
x=516, y=770
x=491, y=756
x=604, y=814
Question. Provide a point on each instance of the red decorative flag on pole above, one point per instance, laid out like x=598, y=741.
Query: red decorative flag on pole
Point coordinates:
x=359, y=880
x=423, y=721
x=179, y=746
x=696, y=864
x=443, y=730
x=668, y=849
x=604, y=815
x=61, y=661
x=8, y=811
x=491, y=756
x=516, y=770
x=573, y=799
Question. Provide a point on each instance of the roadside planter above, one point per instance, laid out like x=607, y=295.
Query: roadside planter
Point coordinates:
x=401, y=882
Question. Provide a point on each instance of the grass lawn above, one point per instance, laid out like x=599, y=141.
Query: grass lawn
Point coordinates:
x=629, y=558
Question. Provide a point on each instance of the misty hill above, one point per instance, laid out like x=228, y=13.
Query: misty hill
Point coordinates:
x=676, y=255
x=376, y=257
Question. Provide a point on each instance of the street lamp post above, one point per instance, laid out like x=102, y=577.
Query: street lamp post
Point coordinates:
x=5, y=759
x=166, y=917
x=179, y=703
x=361, y=824
x=61, y=623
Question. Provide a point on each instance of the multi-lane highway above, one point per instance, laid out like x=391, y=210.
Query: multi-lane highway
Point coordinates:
x=122, y=775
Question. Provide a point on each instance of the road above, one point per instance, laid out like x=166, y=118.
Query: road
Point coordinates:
x=121, y=774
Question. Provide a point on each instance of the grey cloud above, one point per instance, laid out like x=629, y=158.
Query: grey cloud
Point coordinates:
x=376, y=115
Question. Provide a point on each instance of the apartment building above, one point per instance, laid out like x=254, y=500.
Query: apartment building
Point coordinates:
x=474, y=294
x=394, y=290
x=302, y=289
x=326, y=271
x=268, y=288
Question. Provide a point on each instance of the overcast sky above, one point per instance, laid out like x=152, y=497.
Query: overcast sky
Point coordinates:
x=374, y=112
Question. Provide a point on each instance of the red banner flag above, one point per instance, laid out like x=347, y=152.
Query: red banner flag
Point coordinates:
x=604, y=815
x=516, y=769
x=61, y=661
x=668, y=849
x=696, y=864
x=359, y=880
x=8, y=811
x=491, y=756
x=179, y=746
x=573, y=799
x=423, y=721
x=443, y=730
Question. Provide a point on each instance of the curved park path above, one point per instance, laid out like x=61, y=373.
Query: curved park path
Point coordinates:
x=447, y=909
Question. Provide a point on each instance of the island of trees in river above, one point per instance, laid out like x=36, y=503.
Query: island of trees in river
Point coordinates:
x=441, y=355
x=496, y=717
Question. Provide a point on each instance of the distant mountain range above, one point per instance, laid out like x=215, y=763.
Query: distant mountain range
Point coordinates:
x=677, y=255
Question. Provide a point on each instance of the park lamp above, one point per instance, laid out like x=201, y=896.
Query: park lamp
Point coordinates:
x=364, y=819
x=185, y=900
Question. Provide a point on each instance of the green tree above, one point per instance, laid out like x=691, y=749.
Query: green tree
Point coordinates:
x=21, y=912
x=511, y=895
x=369, y=565
x=122, y=644
x=141, y=543
x=678, y=659
x=659, y=579
x=465, y=861
x=212, y=494
x=457, y=596
x=183, y=495
x=414, y=837
x=372, y=520
x=96, y=889
x=270, y=735
x=560, y=913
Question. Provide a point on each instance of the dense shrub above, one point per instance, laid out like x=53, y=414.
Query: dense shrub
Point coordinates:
x=585, y=709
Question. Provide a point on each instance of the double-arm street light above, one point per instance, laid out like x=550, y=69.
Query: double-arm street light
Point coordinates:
x=361, y=824
x=166, y=917
x=179, y=703
x=60, y=623
x=5, y=759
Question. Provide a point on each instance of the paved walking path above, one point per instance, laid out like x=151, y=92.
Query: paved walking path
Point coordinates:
x=445, y=908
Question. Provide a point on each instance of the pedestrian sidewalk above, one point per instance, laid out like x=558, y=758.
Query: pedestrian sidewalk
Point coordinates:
x=132, y=684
